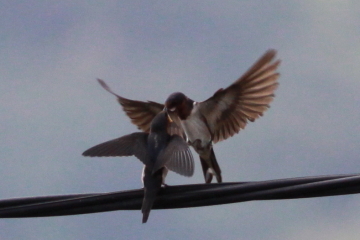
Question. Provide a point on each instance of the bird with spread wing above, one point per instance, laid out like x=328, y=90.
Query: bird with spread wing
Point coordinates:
x=215, y=119
x=157, y=150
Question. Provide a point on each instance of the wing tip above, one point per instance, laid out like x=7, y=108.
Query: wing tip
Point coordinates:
x=271, y=52
x=104, y=85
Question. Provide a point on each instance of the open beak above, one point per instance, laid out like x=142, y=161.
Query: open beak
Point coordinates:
x=169, y=118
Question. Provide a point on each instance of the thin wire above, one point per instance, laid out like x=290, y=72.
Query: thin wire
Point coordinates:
x=182, y=196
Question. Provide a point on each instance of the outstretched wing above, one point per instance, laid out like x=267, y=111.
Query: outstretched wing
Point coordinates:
x=142, y=113
x=128, y=145
x=176, y=157
x=229, y=109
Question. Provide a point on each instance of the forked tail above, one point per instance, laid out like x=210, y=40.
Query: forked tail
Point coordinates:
x=212, y=169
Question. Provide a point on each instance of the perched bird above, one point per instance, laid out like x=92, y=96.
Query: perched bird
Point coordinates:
x=159, y=152
x=217, y=118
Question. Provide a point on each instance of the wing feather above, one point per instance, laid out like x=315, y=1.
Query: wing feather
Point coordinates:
x=177, y=157
x=128, y=145
x=229, y=110
x=140, y=113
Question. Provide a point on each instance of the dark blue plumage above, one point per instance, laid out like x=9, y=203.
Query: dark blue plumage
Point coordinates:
x=158, y=151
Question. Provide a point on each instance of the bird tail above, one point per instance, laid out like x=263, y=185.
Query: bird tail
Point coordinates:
x=146, y=207
x=152, y=186
x=212, y=169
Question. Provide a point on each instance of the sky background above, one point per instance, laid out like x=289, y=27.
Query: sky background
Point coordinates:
x=52, y=109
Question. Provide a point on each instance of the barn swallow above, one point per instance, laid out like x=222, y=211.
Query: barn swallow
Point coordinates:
x=217, y=118
x=159, y=153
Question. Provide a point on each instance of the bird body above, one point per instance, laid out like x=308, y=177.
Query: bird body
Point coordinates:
x=197, y=133
x=215, y=119
x=195, y=128
x=159, y=152
x=153, y=178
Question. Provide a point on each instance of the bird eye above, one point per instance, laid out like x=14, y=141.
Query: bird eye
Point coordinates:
x=172, y=109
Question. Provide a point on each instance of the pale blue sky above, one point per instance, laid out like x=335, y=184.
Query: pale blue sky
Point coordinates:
x=52, y=109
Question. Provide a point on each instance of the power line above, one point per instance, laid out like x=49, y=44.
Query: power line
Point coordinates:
x=182, y=196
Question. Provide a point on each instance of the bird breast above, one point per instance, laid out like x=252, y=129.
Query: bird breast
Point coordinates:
x=195, y=128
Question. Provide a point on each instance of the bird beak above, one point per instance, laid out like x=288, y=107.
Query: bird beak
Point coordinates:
x=169, y=118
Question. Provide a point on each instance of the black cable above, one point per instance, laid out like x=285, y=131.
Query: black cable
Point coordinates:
x=182, y=196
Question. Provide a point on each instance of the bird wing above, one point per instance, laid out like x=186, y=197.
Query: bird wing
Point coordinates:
x=128, y=145
x=176, y=157
x=142, y=113
x=229, y=109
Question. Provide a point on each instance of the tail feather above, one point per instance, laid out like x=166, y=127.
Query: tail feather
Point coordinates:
x=152, y=186
x=146, y=208
x=212, y=169
x=207, y=175
x=216, y=166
